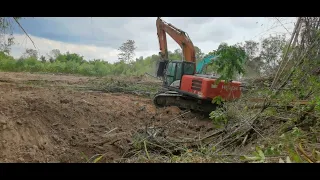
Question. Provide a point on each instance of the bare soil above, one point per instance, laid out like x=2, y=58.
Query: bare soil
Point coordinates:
x=46, y=118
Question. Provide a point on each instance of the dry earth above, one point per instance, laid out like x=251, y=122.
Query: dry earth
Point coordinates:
x=45, y=118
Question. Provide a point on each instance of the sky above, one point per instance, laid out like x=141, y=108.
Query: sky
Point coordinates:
x=100, y=37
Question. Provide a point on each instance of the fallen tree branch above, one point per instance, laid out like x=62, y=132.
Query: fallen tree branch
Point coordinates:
x=15, y=19
x=175, y=118
x=145, y=149
x=228, y=135
x=307, y=157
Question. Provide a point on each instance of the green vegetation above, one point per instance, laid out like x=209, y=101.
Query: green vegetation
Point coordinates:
x=72, y=63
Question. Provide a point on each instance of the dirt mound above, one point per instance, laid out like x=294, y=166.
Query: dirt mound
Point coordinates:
x=50, y=124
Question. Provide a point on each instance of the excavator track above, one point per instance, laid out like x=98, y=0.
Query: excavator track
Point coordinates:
x=172, y=98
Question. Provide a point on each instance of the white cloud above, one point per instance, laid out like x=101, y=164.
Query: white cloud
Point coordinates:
x=44, y=46
x=238, y=29
x=206, y=33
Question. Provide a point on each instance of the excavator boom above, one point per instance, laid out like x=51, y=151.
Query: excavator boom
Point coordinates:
x=179, y=36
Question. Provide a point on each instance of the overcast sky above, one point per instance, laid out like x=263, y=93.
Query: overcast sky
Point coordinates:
x=99, y=38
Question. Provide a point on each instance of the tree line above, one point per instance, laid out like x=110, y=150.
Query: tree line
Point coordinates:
x=261, y=58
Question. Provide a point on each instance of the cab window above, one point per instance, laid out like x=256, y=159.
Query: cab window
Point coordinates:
x=179, y=70
x=171, y=69
x=189, y=68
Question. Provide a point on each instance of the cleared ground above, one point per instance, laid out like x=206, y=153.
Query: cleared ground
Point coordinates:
x=62, y=118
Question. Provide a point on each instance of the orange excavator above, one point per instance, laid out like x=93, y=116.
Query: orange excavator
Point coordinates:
x=182, y=87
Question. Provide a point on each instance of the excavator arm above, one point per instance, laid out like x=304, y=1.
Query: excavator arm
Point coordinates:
x=203, y=63
x=179, y=36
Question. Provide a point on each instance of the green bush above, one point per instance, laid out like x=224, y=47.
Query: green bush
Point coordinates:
x=74, y=64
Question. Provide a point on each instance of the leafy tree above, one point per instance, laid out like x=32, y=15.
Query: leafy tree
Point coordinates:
x=271, y=53
x=230, y=61
x=43, y=59
x=140, y=58
x=254, y=63
x=127, y=51
x=51, y=59
x=175, y=55
x=70, y=57
x=53, y=54
x=30, y=53
x=199, y=54
x=6, y=36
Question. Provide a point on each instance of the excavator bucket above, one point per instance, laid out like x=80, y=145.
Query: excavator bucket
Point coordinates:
x=161, y=68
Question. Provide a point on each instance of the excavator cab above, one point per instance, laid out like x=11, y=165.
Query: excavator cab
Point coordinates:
x=172, y=71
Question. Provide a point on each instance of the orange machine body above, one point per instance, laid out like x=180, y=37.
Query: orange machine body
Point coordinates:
x=206, y=88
